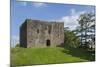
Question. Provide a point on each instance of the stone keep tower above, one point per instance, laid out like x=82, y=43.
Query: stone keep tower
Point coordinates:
x=36, y=33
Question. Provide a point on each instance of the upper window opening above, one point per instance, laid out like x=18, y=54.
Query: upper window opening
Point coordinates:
x=37, y=30
x=49, y=31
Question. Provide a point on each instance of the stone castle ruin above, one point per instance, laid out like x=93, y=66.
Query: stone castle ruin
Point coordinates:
x=36, y=33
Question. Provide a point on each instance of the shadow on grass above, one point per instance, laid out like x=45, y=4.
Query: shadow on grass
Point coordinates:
x=79, y=52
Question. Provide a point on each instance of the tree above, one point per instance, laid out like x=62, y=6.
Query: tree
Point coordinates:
x=70, y=38
x=87, y=27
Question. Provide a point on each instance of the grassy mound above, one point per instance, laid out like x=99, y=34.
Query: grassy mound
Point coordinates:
x=33, y=56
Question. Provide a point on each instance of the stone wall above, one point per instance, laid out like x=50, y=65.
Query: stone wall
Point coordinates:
x=42, y=33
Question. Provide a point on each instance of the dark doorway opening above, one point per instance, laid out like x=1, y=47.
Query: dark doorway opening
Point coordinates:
x=48, y=42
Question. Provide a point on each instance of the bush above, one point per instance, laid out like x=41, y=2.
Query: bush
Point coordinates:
x=71, y=39
x=17, y=45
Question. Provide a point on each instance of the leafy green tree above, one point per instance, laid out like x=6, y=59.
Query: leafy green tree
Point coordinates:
x=87, y=25
x=70, y=38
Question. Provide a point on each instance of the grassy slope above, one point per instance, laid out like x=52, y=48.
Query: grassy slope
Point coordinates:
x=31, y=56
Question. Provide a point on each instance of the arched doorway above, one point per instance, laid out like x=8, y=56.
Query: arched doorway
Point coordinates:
x=48, y=42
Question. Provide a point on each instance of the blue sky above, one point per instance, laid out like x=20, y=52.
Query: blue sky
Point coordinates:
x=66, y=13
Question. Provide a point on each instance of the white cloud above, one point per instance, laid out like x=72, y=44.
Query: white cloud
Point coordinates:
x=36, y=4
x=14, y=40
x=39, y=4
x=71, y=20
x=23, y=3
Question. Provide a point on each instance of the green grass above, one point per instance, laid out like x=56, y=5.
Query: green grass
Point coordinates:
x=34, y=56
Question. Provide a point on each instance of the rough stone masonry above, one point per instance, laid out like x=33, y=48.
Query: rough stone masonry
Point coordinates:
x=37, y=33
